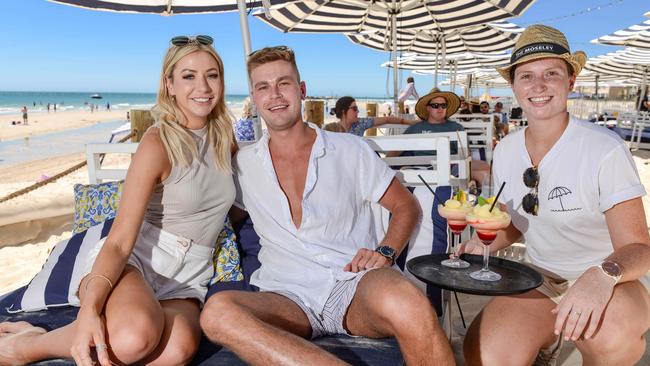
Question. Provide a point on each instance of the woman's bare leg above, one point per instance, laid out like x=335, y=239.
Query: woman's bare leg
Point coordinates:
x=134, y=323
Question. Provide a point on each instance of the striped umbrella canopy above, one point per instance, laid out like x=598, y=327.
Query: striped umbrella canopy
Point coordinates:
x=489, y=37
x=370, y=16
x=634, y=36
x=628, y=63
x=174, y=7
x=461, y=63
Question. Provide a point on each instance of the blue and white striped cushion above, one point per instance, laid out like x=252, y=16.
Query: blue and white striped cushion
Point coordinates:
x=57, y=282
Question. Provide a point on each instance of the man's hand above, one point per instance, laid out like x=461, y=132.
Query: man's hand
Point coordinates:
x=366, y=259
x=582, y=308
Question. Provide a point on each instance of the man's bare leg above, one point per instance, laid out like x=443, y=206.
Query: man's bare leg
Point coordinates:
x=262, y=328
x=387, y=304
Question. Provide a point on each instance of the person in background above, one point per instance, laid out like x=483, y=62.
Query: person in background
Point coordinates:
x=24, y=111
x=145, y=283
x=503, y=118
x=244, y=130
x=347, y=111
x=434, y=110
x=408, y=91
x=574, y=195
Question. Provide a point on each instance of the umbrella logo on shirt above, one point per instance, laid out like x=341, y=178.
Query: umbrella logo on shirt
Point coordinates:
x=557, y=193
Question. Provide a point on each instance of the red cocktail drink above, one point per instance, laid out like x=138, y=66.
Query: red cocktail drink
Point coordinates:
x=487, y=223
x=455, y=211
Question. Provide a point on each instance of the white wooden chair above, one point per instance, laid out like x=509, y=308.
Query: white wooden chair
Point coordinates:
x=480, y=134
x=641, y=121
x=423, y=241
x=93, y=156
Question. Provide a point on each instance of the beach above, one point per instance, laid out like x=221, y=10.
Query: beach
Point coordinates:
x=43, y=122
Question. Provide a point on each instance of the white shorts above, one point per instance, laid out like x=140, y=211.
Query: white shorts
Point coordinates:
x=330, y=320
x=173, y=266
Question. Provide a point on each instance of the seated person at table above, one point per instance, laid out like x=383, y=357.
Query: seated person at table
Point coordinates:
x=322, y=268
x=347, y=111
x=503, y=119
x=434, y=110
x=574, y=195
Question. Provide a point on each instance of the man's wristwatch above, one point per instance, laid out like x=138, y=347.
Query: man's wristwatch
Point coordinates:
x=612, y=270
x=387, y=252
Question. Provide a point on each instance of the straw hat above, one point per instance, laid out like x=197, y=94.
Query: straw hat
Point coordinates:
x=541, y=41
x=453, y=103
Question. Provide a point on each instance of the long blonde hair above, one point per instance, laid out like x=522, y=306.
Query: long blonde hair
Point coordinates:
x=179, y=144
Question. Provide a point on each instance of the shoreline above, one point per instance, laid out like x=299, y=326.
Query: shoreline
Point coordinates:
x=42, y=122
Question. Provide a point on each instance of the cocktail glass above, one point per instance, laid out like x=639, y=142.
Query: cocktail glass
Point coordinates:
x=486, y=229
x=457, y=223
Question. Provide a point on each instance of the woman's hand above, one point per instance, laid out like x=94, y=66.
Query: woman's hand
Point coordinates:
x=91, y=332
x=472, y=246
x=582, y=308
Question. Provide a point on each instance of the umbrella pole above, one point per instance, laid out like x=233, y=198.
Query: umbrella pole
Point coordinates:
x=597, y=99
x=393, y=31
x=246, y=40
x=642, y=90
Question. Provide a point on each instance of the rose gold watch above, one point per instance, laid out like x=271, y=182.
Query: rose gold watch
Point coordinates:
x=612, y=269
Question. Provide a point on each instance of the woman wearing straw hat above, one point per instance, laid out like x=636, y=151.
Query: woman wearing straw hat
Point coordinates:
x=574, y=195
x=347, y=111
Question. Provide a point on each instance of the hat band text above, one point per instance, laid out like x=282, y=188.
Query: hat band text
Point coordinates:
x=538, y=48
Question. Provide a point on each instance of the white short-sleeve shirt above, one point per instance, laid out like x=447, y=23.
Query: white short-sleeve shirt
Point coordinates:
x=586, y=172
x=344, y=177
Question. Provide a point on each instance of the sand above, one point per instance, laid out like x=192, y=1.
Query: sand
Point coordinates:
x=43, y=122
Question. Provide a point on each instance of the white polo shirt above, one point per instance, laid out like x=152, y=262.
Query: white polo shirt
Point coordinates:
x=586, y=172
x=344, y=177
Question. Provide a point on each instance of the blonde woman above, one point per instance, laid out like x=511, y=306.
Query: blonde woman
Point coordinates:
x=141, y=297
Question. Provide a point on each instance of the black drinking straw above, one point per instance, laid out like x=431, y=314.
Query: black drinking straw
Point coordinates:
x=428, y=186
x=497, y=197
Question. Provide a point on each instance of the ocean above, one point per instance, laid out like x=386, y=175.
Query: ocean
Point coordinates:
x=11, y=102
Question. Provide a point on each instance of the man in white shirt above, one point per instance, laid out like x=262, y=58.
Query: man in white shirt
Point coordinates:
x=322, y=269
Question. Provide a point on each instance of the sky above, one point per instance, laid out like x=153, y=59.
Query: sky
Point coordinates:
x=52, y=47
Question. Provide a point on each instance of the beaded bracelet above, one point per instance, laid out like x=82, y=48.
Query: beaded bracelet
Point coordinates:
x=92, y=277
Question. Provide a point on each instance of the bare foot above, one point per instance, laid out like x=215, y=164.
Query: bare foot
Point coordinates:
x=9, y=328
x=14, y=334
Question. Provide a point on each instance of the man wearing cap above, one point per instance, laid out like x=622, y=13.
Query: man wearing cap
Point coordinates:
x=574, y=196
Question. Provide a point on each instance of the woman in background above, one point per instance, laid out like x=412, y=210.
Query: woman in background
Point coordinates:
x=347, y=111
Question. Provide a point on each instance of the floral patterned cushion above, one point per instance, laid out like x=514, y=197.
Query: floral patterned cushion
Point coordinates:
x=95, y=203
x=226, y=259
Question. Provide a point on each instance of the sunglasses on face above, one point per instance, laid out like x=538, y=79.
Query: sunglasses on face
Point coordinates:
x=354, y=108
x=276, y=48
x=438, y=105
x=530, y=202
x=181, y=41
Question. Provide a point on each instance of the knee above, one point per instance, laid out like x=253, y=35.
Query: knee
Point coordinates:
x=134, y=341
x=179, y=352
x=219, y=315
x=614, y=340
x=405, y=305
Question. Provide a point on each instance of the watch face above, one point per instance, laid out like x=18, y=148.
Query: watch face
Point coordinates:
x=387, y=251
x=611, y=268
